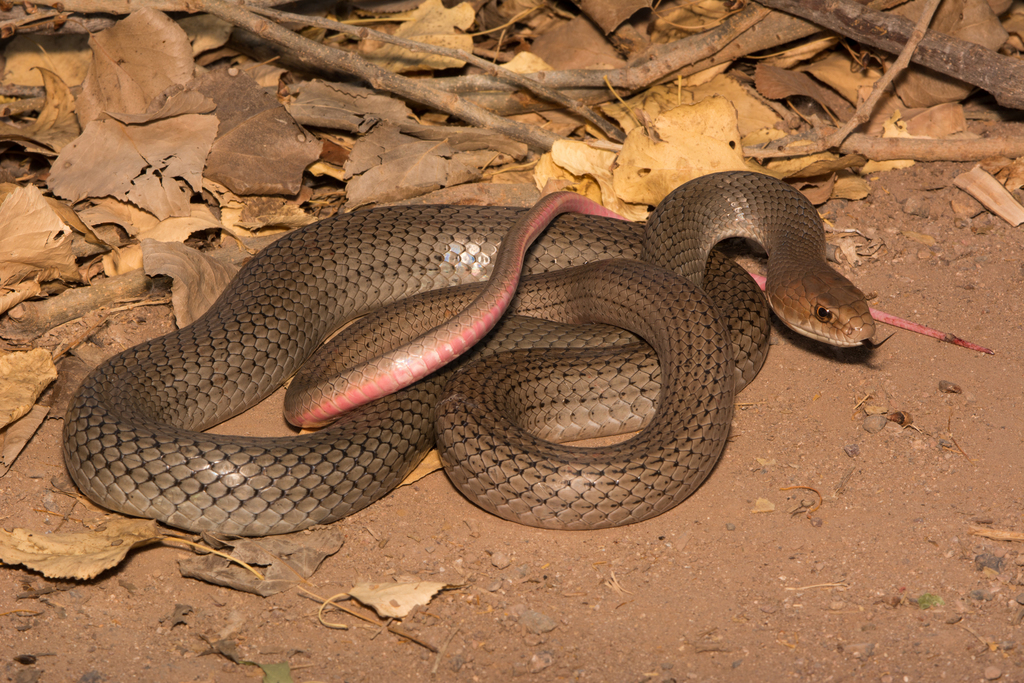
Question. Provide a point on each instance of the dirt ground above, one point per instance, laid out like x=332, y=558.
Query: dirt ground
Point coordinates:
x=711, y=591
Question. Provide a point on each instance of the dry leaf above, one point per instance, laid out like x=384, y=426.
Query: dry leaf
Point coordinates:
x=587, y=171
x=763, y=505
x=776, y=84
x=82, y=555
x=982, y=186
x=34, y=242
x=206, y=32
x=577, y=44
x=134, y=62
x=694, y=141
x=972, y=21
x=388, y=166
x=23, y=376
x=431, y=23
x=15, y=436
x=837, y=71
x=67, y=56
x=155, y=166
x=198, y=278
x=751, y=113
x=254, y=126
x=56, y=124
x=284, y=561
x=396, y=600
x=15, y=294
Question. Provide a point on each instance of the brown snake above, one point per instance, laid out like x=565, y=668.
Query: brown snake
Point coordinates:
x=132, y=434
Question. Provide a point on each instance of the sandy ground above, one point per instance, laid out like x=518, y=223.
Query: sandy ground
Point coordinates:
x=710, y=591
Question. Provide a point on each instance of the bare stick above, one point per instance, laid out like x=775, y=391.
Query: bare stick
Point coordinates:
x=1001, y=75
x=499, y=72
x=353, y=64
x=867, y=106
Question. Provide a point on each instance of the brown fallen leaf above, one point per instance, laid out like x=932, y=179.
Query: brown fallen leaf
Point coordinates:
x=396, y=600
x=198, y=278
x=15, y=436
x=285, y=561
x=388, y=166
x=776, y=84
x=431, y=23
x=23, y=376
x=133, y=63
x=254, y=127
x=34, y=242
x=77, y=555
x=54, y=127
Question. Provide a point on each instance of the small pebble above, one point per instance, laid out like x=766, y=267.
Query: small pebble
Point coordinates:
x=1020, y=598
x=901, y=417
x=989, y=560
x=981, y=595
x=852, y=450
x=729, y=526
x=950, y=388
x=993, y=673
x=860, y=650
x=875, y=423
x=537, y=623
x=500, y=560
x=541, y=661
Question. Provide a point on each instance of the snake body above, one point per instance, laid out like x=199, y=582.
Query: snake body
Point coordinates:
x=133, y=440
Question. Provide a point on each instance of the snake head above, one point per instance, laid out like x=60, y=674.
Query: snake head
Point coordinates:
x=823, y=305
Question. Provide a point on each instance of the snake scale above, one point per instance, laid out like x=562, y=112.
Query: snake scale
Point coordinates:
x=133, y=436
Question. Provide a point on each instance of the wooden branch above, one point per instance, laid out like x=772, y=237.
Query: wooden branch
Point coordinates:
x=352, y=64
x=888, y=149
x=1000, y=75
x=498, y=72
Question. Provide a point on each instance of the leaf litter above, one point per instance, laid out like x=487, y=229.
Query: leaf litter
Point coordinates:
x=168, y=151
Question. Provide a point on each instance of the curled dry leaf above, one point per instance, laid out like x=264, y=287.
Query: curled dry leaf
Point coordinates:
x=34, y=242
x=431, y=23
x=283, y=561
x=776, y=84
x=66, y=55
x=78, y=555
x=198, y=278
x=584, y=170
x=982, y=186
x=54, y=127
x=23, y=376
x=396, y=600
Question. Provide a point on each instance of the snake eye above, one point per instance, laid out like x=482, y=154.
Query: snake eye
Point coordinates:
x=823, y=314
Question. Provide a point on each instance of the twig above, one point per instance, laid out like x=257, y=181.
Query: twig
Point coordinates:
x=354, y=65
x=865, y=108
x=1001, y=75
x=901, y=63
x=499, y=72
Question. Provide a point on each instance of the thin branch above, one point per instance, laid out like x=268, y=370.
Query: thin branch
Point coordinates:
x=901, y=63
x=352, y=64
x=865, y=108
x=499, y=72
x=1001, y=75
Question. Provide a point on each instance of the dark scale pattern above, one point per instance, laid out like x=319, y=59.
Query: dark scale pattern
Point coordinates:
x=133, y=438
